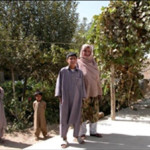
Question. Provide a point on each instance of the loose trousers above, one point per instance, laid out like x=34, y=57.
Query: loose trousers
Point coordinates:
x=83, y=128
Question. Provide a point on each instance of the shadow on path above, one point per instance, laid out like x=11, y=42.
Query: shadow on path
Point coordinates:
x=13, y=144
x=115, y=142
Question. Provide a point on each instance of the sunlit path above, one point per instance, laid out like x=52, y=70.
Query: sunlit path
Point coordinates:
x=129, y=131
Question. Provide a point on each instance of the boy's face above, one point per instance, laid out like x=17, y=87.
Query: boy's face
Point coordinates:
x=72, y=60
x=38, y=97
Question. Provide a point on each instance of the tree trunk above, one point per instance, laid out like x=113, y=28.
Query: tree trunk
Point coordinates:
x=112, y=91
x=2, y=79
x=13, y=82
x=24, y=87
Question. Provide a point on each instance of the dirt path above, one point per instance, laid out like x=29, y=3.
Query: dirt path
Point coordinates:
x=20, y=140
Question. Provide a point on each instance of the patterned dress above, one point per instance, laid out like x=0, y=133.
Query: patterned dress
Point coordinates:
x=90, y=110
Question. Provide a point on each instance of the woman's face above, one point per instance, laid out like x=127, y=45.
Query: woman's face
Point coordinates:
x=86, y=52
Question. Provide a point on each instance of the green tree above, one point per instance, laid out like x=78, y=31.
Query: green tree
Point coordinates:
x=121, y=37
x=35, y=26
x=80, y=36
x=35, y=37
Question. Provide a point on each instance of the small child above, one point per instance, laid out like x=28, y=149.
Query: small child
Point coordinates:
x=39, y=107
x=70, y=90
x=2, y=115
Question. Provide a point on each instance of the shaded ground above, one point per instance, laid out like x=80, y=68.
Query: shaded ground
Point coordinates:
x=20, y=140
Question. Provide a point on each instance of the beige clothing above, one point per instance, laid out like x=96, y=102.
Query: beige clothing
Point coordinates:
x=39, y=118
x=91, y=73
x=2, y=114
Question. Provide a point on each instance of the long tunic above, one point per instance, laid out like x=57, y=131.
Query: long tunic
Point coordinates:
x=39, y=117
x=2, y=114
x=70, y=87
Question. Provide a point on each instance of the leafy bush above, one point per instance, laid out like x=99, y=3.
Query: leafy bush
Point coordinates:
x=19, y=112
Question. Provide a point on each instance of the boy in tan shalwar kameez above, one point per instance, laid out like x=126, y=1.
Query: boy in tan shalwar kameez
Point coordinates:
x=39, y=107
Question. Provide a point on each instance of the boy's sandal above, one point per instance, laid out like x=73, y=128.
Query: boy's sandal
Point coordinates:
x=96, y=135
x=64, y=144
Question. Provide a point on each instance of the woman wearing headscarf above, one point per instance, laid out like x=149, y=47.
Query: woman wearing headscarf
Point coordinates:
x=2, y=115
x=90, y=108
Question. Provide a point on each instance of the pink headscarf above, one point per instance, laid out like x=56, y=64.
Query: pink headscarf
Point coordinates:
x=91, y=73
x=2, y=113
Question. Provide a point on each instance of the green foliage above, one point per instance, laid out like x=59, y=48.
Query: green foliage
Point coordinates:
x=20, y=112
x=121, y=36
x=34, y=42
x=80, y=36
x=24, y=23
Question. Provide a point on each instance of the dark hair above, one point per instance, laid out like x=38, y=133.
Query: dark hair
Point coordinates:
x=38, y=93
x=71, y=54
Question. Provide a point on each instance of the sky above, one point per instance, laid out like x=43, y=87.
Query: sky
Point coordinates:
x=90, y=8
